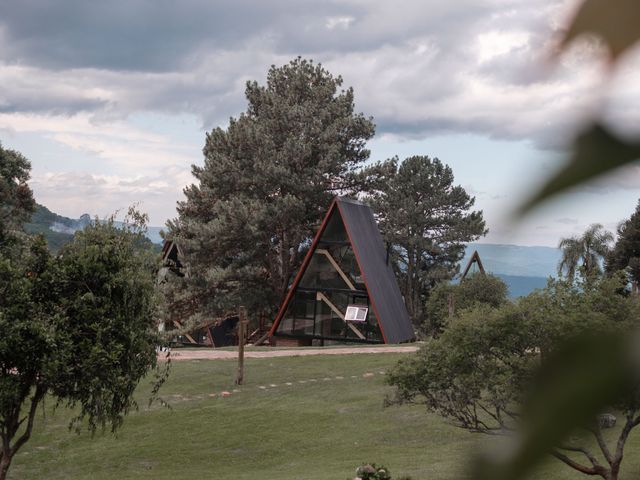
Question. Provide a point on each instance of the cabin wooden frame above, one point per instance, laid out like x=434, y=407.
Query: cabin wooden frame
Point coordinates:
x=475, y=259
x=346, y=265
x=217, y=332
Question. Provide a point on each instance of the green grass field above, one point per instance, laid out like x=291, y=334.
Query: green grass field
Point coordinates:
x=314, y=430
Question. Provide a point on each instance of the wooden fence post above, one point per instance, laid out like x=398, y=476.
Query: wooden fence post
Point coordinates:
x=242, y=332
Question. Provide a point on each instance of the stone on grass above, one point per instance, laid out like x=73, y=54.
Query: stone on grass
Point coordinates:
x=606, y=420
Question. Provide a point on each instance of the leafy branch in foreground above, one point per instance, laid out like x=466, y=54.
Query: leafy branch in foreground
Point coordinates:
x=596, y=151
x=534, y=369
x=78, y=327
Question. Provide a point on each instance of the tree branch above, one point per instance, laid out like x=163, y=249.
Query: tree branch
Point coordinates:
x=597, y=432
x=35, y=400
x=622, y=439
x=496, y=416
x=575, y=465
x=585, y=452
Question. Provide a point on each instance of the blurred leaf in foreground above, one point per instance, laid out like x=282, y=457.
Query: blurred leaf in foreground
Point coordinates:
x=596, y=151
x=613, y=21
x=575, y=384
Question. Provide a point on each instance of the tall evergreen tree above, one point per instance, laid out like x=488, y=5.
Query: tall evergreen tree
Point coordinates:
x=266, y=181
x=625, y=254
x=428, y=220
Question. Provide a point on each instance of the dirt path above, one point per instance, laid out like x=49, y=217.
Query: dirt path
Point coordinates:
x=210, y=354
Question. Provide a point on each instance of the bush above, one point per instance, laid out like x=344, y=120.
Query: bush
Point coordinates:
x=370, y=471
x=478, y=289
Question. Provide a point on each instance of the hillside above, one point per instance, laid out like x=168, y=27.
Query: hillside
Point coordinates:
x=522, y=268
x=522, y=286
x=58, y=230
x=516, y=260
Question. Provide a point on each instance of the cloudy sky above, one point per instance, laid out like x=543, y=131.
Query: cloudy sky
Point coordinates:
x=111, y=100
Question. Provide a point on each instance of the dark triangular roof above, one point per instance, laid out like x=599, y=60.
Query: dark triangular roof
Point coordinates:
x=475, y=258
x=379, y=278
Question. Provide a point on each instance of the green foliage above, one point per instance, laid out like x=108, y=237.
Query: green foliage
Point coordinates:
x=428, y=220
x=564, y=310
x=107, y=291
x=40, y=224
x=596, y=151
x=266, y=181
x=625, y=254
x=478, y=289
x=79, y=327
x=600, y=372
x=456, y=377
x=584, y=254
x=480, y=372
x=370, y=471
x=16, y=199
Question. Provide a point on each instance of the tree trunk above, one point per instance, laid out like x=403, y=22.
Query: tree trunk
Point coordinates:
x=5, y=462
x=408, y=293
x=9, y=451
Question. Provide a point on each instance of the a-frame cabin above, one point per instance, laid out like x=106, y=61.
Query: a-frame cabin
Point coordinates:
x=474, y=260
x=346, y=290
x=218, y=332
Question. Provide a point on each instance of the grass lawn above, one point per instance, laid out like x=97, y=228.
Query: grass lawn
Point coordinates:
x=313, y=430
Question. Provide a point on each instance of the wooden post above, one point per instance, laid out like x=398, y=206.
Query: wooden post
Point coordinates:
x=242, y=331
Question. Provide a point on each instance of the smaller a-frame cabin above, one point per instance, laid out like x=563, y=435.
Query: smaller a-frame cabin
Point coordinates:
x=474, y=260
x=171, y=260
x=346, y=290
x=218, y=332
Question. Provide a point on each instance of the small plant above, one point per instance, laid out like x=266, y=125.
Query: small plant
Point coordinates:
x=369, y=471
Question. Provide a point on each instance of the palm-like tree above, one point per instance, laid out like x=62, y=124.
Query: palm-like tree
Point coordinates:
x=586, y=251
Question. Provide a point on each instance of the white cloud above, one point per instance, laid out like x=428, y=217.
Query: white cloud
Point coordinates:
x=495, y=43
x=126, y=148
x=419, y=67
x=567, y=221
x=343, y=23
x=75, y=193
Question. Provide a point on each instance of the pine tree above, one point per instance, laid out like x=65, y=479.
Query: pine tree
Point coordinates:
x=427, y=220
x=265, y=183
x=625, y=254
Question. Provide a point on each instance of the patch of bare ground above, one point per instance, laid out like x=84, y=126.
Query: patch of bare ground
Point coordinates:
x=212, y=354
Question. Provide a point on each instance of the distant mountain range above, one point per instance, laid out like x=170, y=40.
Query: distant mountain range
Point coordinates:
x=515, y=259
x=523, y=269
x=59, y=230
